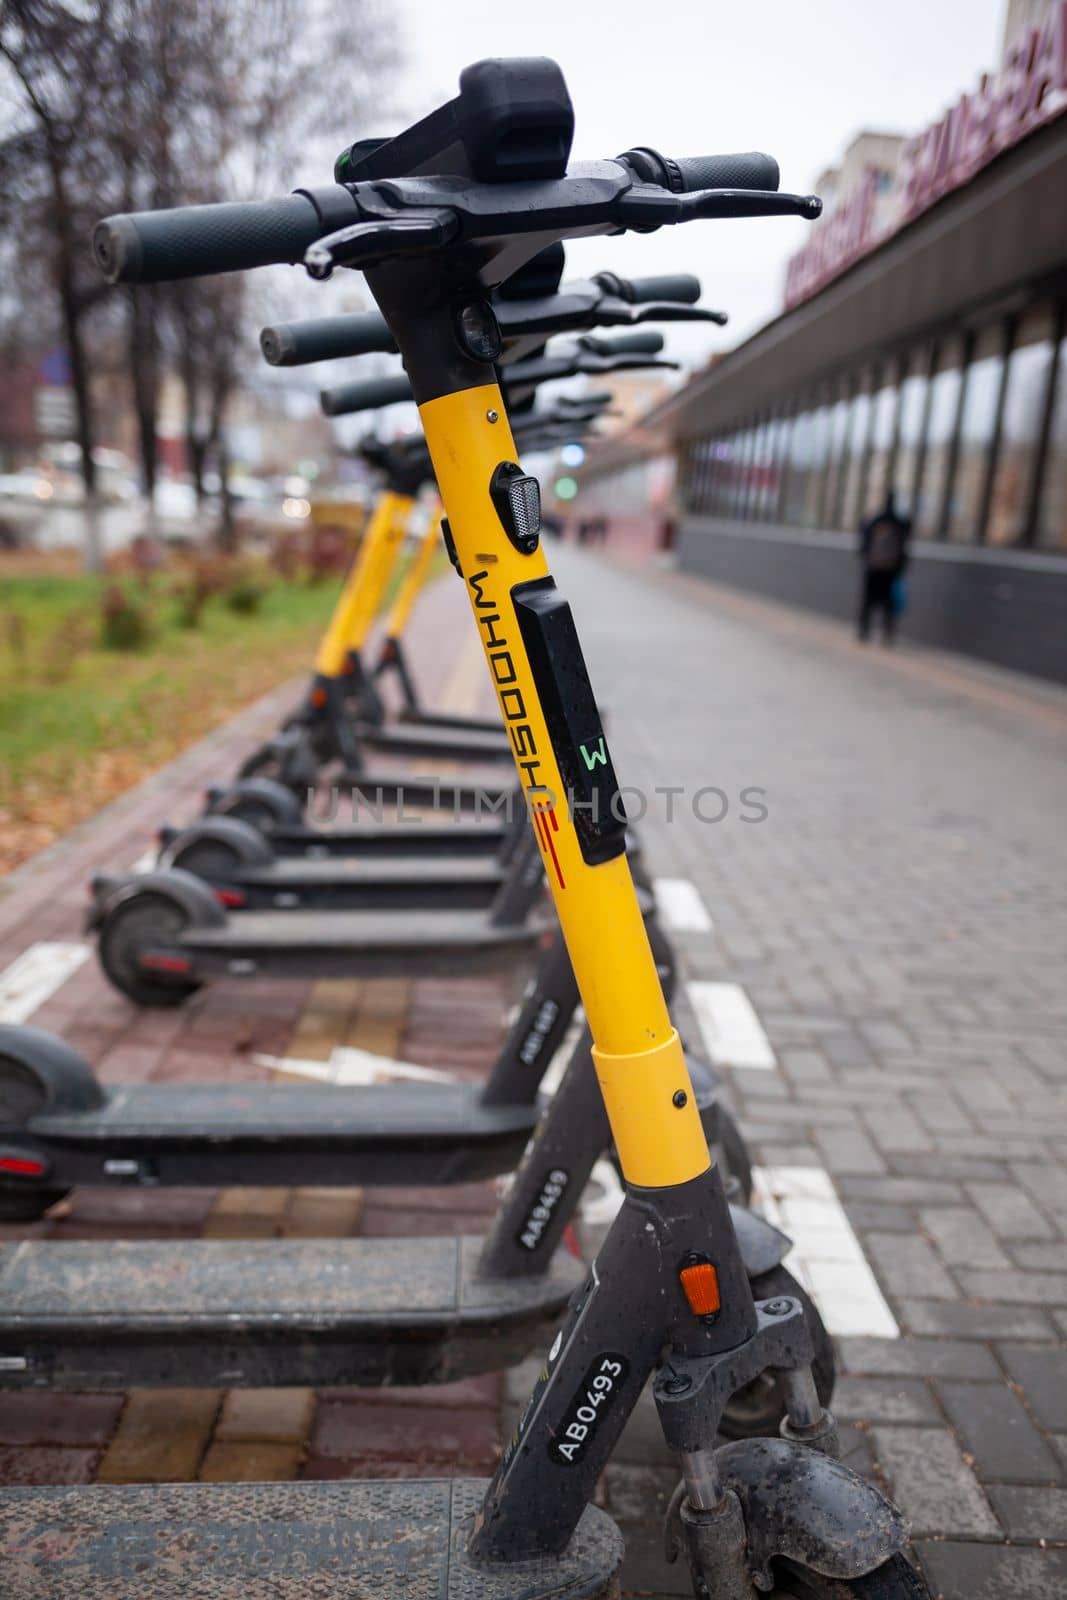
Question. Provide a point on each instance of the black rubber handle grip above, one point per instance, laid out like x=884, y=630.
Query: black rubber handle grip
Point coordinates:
x=154, y=246
x=677, y=286
x=368, y=396
x=294, y=344
x=749, y=169
x=648, y=343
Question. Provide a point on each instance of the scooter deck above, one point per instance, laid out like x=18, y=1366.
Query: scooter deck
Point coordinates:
x=399, y=1540
x=444, y=744
x=375, y=840
x=441, y=884
x=287, y=1133
x=442, y=791
x=328, y=944
x=237, y=1313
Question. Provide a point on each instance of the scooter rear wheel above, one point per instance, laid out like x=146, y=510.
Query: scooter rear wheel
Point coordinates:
x=895, y=1579
x=22, y=1095
x=128, y=929
x=756, y=1410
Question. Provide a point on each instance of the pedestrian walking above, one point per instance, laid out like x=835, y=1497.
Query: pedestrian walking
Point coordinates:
x=884, y=555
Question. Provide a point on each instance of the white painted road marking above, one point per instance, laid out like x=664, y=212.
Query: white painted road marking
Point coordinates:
x=35, y=976
x=826, y=1257
x=731, y=1030
x=349, y=1067
x=680, y=907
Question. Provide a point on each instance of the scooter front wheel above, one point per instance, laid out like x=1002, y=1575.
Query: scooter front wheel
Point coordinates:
x=756, y=1410
x=895, y=1579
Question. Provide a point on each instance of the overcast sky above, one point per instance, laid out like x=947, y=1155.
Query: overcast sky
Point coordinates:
x=692, y=77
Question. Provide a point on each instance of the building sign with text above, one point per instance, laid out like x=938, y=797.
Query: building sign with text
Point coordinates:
x=1029, y=90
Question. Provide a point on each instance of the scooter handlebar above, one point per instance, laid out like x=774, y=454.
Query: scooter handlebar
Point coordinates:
x=295, y=344
x=647, y=343
x=190, y=241
x=369, y=396
x=749, y=169
x=681, y=287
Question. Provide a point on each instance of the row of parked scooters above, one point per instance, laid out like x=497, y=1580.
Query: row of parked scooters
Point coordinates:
x=458, y=224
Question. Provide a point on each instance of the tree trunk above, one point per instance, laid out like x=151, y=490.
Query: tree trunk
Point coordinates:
x=143, y=348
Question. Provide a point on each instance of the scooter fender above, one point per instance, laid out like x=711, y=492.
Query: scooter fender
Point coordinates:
x=273, y=796
x=763, y=1246
x=190, y=893
x=69, y=1081
x=804, y=1505
x=251, y=847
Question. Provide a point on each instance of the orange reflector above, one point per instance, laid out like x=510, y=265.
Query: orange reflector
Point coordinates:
x=318, y=697
x=700, y=1283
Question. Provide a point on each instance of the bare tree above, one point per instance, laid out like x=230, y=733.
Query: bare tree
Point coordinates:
x=55, y=55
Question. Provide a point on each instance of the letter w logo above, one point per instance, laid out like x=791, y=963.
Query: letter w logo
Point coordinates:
x=594, y=758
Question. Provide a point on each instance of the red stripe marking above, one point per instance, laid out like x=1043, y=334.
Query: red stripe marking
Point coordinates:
x=166, y=963
x=552, y=849
x=25, y=1169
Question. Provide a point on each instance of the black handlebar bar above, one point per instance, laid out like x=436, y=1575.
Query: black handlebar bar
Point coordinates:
x=648, y=343
x=748, y=170
x=156, y=246
x=680, y=286
x=294, y=344
x=370, y=395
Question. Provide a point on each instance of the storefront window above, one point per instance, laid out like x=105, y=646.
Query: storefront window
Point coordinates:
x=1051, y=530
x=836, y=463
x=883, y=436
x=1025, y=396
x=977, y=426
x=910, y=427
x=726, y=475
x=777, y=436
x=940, y=432
x=858, y=434
x=819, y=456
x=800, y=451
x=750, y=500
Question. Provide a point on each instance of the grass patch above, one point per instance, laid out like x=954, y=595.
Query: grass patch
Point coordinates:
x=80, y=723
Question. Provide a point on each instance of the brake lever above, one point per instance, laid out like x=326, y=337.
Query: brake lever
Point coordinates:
x=361, y=244
x=705, y=203
x=674, y=311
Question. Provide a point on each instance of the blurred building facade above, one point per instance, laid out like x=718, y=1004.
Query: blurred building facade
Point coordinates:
x=923, y=348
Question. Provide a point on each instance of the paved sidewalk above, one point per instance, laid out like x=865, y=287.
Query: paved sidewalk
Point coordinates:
x=897, y=924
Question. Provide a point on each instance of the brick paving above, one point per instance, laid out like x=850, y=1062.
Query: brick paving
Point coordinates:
x=898, y=922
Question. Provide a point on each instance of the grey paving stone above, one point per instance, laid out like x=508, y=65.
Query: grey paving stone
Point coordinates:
x=932, y=1484
x=1031, y=1513
x=950, y=1358
x=986, y=1572
x=805, y=1066
x=1016, y=1288
x=1041, y=1373
x=901, y=1191
x=1010, y=1212
x=896, y=1399
x=998, y=1431
x=864, y=1214
x=1034, y=1256
x=639, y=1494
x=965, y=1320
x=907, y=1266
x=849, y=1151
x=962, y=1238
